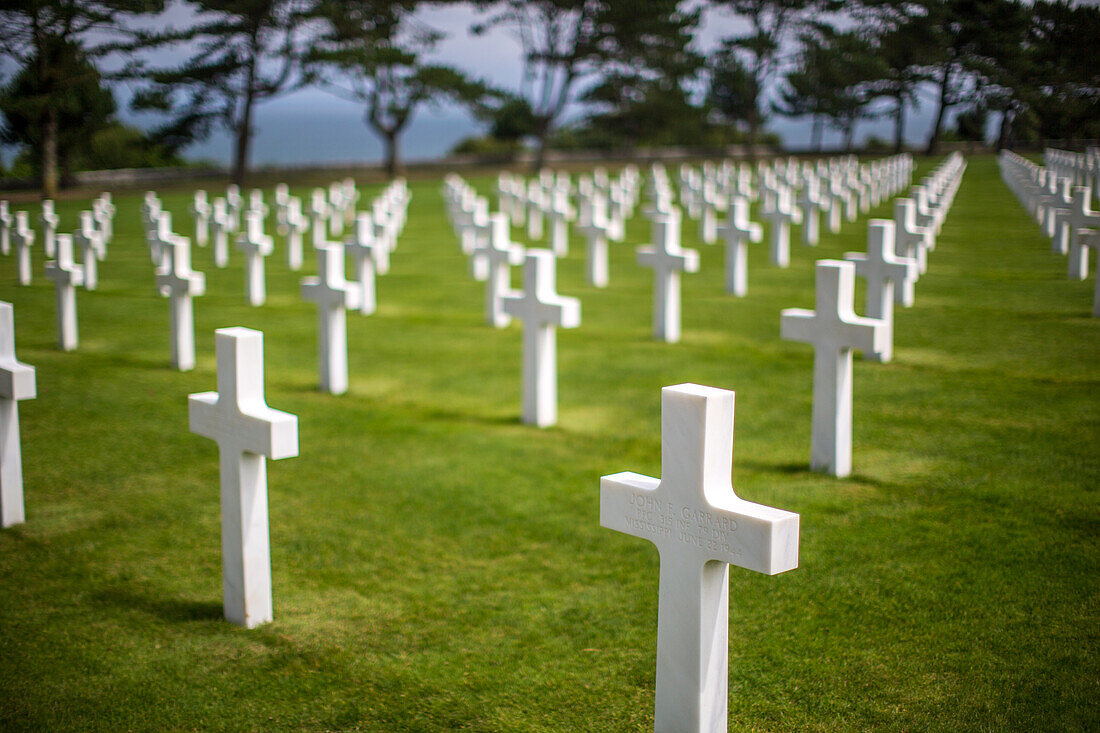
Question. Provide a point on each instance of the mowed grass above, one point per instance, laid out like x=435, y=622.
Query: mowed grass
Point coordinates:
x=439, y=566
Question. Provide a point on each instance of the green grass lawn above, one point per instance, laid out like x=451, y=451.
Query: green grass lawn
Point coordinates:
x=439, y=566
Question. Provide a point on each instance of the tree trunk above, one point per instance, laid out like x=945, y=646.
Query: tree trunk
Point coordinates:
x=815, y=134
x=391, y=143
x=542, y=134
x=849, y=135
x=244, y=142
x=899, y=124
x=754, y=128
x=1005, y=130
x=49, y=154
x=937, y=128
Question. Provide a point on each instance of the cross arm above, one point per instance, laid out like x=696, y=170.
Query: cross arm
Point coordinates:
x=261, y=430
x=798, y=324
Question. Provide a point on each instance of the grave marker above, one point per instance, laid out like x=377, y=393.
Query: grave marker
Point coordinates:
x=668, y=260
x=333, y=296
x=24, y=239
x=738, y=231
x=180, y=284
x=834, y=330
x=700, y=527
x=17, y=382
x=66, y=278
x=542, y=311
x=501, y=254
x=362, y=246
x=256, y=246
x=247, y=432
x=884, y=271
x=49, y=221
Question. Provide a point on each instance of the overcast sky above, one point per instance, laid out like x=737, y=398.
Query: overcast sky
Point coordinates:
x=311, y=125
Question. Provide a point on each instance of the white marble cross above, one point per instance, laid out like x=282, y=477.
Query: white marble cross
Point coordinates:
x=910, y=240
x=542, y=311
x=104, y=212
x=668, y=260
x=361, y=246
x=180, y=284
x=319, y=213
x=700, y=527
x=500, y=253
x=834, y=330
x=337, y=206
x=17, y=382
x=222, y=225
x=884, y=272
x=296, y=225
x=781, y=215
x=333, y=296
x=536, y=201
x=247, y=432
x=66, y=278
x=200, y=211
x=1080, y=219
x=596, y=229
x=233, y=205
x=810, y=202
x=709, y=203
x=49, y=221
x=5, y=228
x=256, y=246
x=738, y=231
x=24, y=239
x=558, y=214
x=87, y=238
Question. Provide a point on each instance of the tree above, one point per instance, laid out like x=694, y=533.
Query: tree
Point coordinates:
x=642, y=51
x=902, y=37
x=246, y=53
x=372, y=53
x=963, y=32
x=757, y=51
x=557, y=38
x=835, y=79
x=68, y=102
x=43, y=31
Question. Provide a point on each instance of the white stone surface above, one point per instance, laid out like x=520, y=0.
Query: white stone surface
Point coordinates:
x=700, y=527
x=23, y=236
x=595, y=228
x=668, y=259
x=833, y=329
x=255, y=245
x=17, y=382
x=737, y=232
x=200, y=212
x=87, y=238
x=884, y=272
x=1082, y=222
x=221, y=224
x=810, y=202
x=362, y=246
x=296, y=225
x=910, y=241
x=49, y=221
x=247, y=432
x=6, y=222
x=180, y=284
x=333, y=296
x=542, y=311
x=500, y=254
x=66, y=278
x=781, y=215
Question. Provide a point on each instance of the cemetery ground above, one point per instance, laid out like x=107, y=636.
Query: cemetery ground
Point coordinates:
x=439, y=566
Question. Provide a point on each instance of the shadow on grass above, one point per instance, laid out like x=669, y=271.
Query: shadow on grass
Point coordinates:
x=803, y=470
x=171, y=610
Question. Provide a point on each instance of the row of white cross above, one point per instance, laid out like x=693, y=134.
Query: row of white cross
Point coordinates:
x=1082, y=169
x=691, y=513
x=1062, y=210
